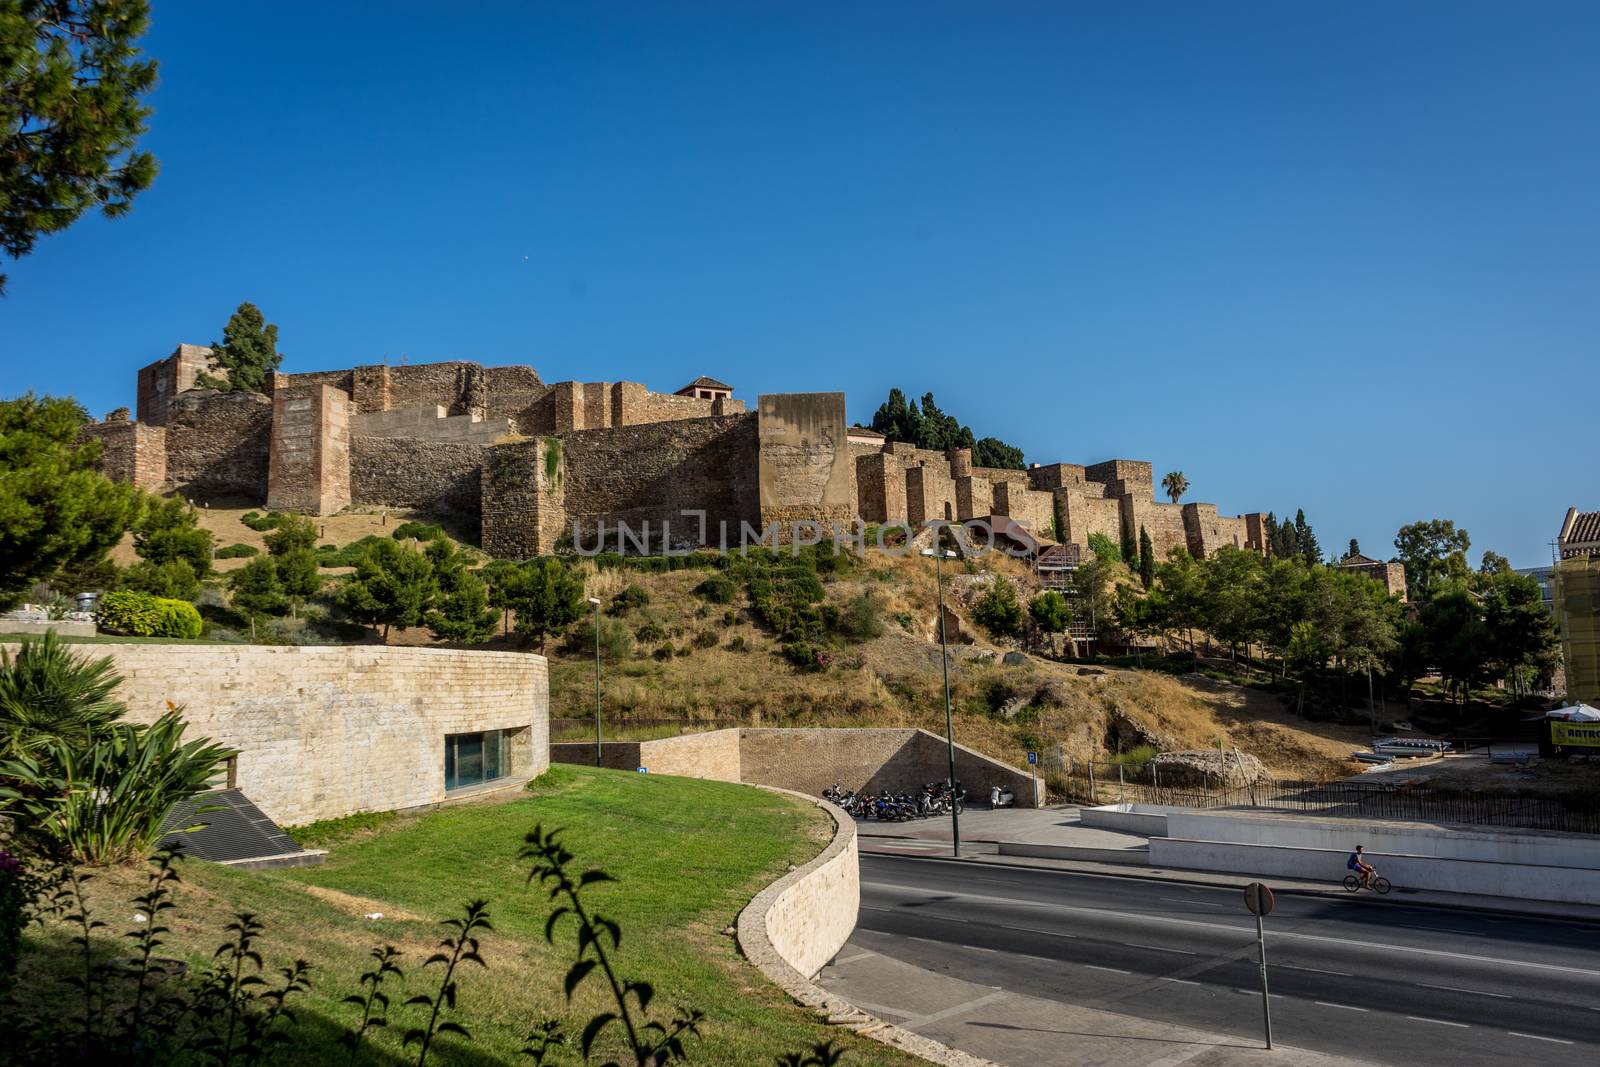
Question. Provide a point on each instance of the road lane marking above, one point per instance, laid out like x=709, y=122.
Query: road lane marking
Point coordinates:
x=1537, y=1037
x=1239, y=928
x=958, y=1009
x=1318, y=970
x=1202, y=903
x=1475, y=992
x=1180, y=981
x=1436, y=1022
x=1346, y=1007
x=1159, y=948
x=869, y=907
x=1030, y=930
x=1113, y=970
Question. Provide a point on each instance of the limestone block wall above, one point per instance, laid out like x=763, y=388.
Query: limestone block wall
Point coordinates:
x=523, y=500
x=429, y=422
x=880, y=487
x=713, y=754
x=159, y=383
x=1048, y=476
x=327, y=731
x=1207, y=531
x=803, y=463
x=806, y=917
x=132, y=452
x=930, y=494
x=309, y=465
x=218, y=444
x=1164, y=522
x=1031, y=507
x=1083, y=514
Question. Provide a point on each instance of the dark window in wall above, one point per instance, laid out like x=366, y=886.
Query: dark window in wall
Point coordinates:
x=472, y=759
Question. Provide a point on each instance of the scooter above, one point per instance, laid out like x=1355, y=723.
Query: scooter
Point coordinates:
x=1001, y=797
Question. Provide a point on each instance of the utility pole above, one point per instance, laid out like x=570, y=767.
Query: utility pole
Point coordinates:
x=939, y=556
x=596, y=602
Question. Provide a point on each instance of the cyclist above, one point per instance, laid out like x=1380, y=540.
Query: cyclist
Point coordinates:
x=1358, y=863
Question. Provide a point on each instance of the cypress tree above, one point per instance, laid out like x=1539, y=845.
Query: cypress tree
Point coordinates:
x=1147, y=559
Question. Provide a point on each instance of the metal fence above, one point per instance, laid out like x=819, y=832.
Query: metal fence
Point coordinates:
x=1108, y=783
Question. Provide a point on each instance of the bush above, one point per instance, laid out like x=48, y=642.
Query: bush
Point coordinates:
x=136, y=614
x=634, y=596
x=719, y=589
x=650, y=633
x=861, y=620
x=737, y=643
x=238, y=551
x=349, y=555
x=1050, y=611
x=174, y=578
x=422, y=531
x=261, y=523
x=705, y=639
x=806, y=656
x=615, y=641
x=730, y=618
x=998, y=611
x=293, y=533
x=1104, y=548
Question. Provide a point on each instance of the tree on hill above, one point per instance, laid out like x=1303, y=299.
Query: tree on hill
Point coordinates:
x=1147, y=559
x=56, y=510
x=1354, y=549
x=171, y=530
x=902, y=420
x=72, y=82
x=291, y=533
x=998, y=610
x=461, y=612
x=256, y=588
x=1050, y=612
x=1305, y=540
x=1175, y=485
x=1521, y=631
x=1433, y=551
x=1104, y=548
x=544, y=594
x=299, y=575
x=394, y=585
x=248, y=351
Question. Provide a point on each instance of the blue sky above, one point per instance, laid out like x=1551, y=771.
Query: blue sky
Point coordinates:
x=1334, y=256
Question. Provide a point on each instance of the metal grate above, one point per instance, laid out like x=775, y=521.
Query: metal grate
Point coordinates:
x=235, y=829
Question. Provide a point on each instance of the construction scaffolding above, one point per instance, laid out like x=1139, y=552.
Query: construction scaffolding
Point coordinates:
x=1575, y=595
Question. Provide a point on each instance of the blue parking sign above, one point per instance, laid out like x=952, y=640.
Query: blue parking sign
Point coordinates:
x=1033, y=757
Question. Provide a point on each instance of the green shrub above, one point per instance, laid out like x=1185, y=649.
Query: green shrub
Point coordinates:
x=422, y=531
x=238, y=551
x=705, y=639
x=136, y=614
x=719, y=589
x=615, y=641
x=1105, y=548
x=261, y=523
x=999, y=611
x=730, y=618
x=634, y=596
x=349, y=555
x=1050, y=611
x=650, y=633
x=1135, y=758
x=663, y=652
x=861, y=620
x=806, y=656
x=737, y=643
x=177, y=618
x=175, y=578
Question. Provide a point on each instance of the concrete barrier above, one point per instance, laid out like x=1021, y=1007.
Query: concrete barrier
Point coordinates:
x=797, y=924
x=1147, y=819
x=1139, y=857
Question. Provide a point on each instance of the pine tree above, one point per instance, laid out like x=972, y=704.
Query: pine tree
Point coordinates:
x=1147, y=559
x=248, y=351
x=256, y=589
x=1305, y=540
x=71, y=113
x=394, y=585
x=1355, y=549
x=545, y=596
x=462, y=611
x=299, y=576
x=56, y=510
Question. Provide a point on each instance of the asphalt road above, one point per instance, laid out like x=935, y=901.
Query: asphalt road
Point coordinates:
x=1367, y=978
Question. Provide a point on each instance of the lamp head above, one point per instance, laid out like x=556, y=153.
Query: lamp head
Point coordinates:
x=595, y=601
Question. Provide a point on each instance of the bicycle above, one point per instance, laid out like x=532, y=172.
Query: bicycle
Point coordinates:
x=1380, y=884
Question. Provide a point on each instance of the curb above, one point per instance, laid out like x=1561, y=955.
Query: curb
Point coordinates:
x=1179, y=878
x=757, y=947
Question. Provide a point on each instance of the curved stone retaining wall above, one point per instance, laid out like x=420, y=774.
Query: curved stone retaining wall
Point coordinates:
x=798, y=923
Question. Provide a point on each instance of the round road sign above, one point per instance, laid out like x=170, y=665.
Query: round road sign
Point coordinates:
x=1258, y=898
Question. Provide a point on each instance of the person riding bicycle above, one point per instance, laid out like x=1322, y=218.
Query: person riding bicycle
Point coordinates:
x=1358, y=863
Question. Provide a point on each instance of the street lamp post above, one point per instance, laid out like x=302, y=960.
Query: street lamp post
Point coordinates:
x=596, y=602
x=939, y=556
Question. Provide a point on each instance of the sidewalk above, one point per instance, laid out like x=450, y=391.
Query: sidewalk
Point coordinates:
x=1015, y=1028
x=1108, y=852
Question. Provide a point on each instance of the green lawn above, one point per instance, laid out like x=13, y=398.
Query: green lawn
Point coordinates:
x=687, y=856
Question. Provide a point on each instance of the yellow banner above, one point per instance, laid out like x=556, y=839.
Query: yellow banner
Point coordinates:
x=1578, y=734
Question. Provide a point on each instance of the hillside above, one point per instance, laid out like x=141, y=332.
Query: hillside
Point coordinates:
x=691, y=662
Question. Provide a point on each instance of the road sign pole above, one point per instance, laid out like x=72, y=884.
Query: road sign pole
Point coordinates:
x=1266, y=1001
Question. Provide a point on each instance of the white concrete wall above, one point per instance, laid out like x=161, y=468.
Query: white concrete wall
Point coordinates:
x=798, y=923
x=1393, y=838
x=1534, y=865
x=1128, y=818
x=1527, y=881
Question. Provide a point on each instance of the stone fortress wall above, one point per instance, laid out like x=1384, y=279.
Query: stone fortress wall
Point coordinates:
x=536, y=463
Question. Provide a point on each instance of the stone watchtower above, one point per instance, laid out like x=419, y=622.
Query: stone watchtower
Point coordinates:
x=162, y=381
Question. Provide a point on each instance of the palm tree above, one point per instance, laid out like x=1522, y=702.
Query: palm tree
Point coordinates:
x=1175, y=484
x=48, y=693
